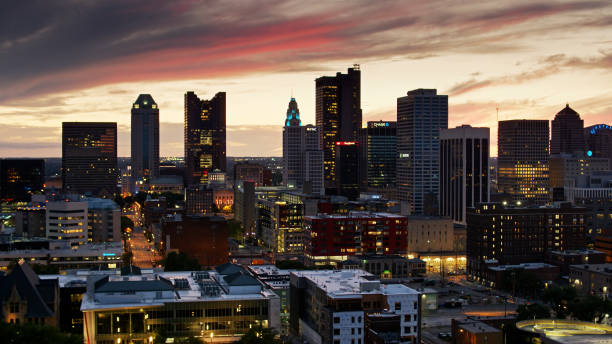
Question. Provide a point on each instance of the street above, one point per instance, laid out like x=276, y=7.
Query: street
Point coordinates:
x=144, y=255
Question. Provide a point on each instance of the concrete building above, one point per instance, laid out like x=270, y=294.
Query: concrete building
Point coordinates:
x=567, y=133
x=201, y=237
x=31, y=222
x=248, y=172
x=472, y=331
x=198, y=200
x=161, y=184
x=510, y=234
x=103, y=220
x=331, y=239
x=67, y=220
x=244, y=206
x=565, y=169
x=593, y=279
x=421, y=114
x=331, y=306
x=386, y=266
x=599, y=141
x=522, y=163
x=464, y=170
x=277, y=280
x=209, y=305
x=430, y=235
x=60, y=254
x=279, y=226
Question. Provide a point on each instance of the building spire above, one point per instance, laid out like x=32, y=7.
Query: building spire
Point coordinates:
x=293, y=114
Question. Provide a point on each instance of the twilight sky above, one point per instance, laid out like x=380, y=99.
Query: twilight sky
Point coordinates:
x=77, y=60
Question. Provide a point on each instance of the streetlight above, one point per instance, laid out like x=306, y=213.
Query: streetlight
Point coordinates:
x=212, y=335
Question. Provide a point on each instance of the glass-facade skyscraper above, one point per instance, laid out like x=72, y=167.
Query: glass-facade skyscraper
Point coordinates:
x=421, y=114
x=338, y=115
x=145, y=137
x=378, y=154
x=523, y=160
x=204, y=137
x=89, y=158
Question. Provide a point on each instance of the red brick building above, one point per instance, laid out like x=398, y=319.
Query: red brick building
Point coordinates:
x=202, y=237
x=332, y=238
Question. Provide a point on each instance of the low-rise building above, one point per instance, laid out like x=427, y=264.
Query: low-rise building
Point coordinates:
x=496, y=276
x=277, y=280
x=30, y=221
x=471, y=331
x=61, y=254
x=386, y=266
x=564, y=259
x=333, y=238
x=209, y=305
x=25, y=298
x=331, y=306
x=593, y=279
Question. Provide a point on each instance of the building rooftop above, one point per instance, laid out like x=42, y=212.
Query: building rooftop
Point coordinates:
x=600, y=268
x=526, y=266
x=477, y=327
x=351, y=283
x=179, y=286
x=357, y=215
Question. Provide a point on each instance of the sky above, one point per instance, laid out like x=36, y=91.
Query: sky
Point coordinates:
x=84, y=60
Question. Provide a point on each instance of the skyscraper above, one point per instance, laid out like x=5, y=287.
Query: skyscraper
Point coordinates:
x=204, y=137
x=522, y=163
x=145, y=137
x=377, y=155
x=338, y=115
x=89, y=158
x=599, y=141
x=464, y=170
x=347, y=169
x=20, y=178
x=567, y=133
x=302, y=155
x=420, y=117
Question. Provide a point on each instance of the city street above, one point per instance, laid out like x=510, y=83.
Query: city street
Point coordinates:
x=144, y=254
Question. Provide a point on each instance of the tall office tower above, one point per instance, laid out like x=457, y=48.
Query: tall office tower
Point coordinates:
x=21, y=178
x=347, y=169
x=377, y=155
x=302, y=155
x=522, y=162
x=204, y=137
x=420, y=117
x=567, y=133
x=145, y=138
x=338, y=115
x=89, y=158
x=599, y=141
x=464, y=170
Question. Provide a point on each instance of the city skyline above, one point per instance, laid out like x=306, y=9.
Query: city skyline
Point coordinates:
x=524, y=58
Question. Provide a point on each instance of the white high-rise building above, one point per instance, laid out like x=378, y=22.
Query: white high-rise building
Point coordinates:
x=464, y=170
x=302, y=154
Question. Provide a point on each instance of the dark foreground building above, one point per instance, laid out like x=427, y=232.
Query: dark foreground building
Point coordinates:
x=20, y=178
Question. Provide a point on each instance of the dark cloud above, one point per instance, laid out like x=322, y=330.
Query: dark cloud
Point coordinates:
x=53, y=46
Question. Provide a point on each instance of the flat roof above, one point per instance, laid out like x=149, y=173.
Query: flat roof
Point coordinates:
x=474, y=326
x=357, y=215
x=348, y=283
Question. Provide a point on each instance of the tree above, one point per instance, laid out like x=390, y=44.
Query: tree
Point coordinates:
x=126, y=222
x=31, y=333
x=590, y=308
x=259, y=336
x=180, y=262
x=535, y=310
x=558, y=298
x=234, y=230
x=127, y=257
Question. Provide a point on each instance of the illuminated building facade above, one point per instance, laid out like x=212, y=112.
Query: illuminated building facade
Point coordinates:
x=89, y=158
x=332, y=238
x=599, y=141
x=464, y=170
x=565, y=169
x=204, y=137
x=338, y=115
x=209, y=305
x=567, y=133
x=421, y=114
x=511, y=234
x=347, y=169
x=145, y=138
x=523, y=160
x=67, y=220
x=20, y=178
x=279, y=226
x=377, y=155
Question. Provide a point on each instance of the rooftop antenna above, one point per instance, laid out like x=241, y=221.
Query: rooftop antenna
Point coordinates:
x=497, y=108
x=292, y=92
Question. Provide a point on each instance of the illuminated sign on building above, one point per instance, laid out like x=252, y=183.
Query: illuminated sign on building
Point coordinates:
x=378, y=124
x=346, y=143
x=598, y=127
